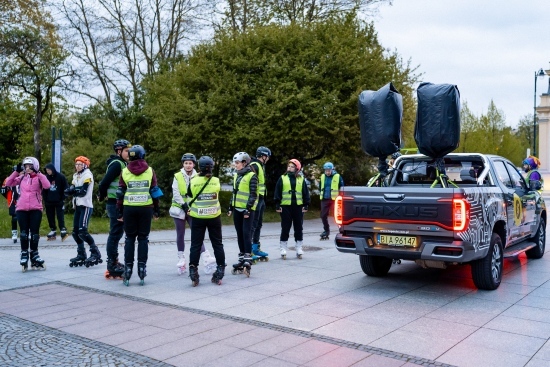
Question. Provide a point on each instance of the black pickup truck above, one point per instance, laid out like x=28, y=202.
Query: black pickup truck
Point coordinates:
x=482, y=212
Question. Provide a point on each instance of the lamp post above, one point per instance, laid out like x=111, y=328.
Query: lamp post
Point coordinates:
x=539, y=73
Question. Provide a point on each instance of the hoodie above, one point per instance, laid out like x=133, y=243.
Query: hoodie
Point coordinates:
x=58, y=183
x=137, y=167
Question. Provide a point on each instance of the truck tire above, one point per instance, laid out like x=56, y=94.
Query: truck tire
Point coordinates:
x=540, y=238
x=375, y=266
x=487, y=272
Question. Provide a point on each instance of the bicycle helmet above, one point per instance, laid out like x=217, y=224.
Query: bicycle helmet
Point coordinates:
x=296, y=163
x=241, y=156
x=261, y=151
x=121, y=144
x=189, y=157
x=206, y=164
x=136, y=152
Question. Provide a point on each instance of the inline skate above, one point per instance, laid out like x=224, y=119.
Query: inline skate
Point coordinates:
x=209, y=262
x=182, y=268
x=24, y=261
x=283, y=245
x=115, y=270
x=257, y=251
x=324, y=235
x=194, y=275
x=95, y=257
x=80, y=258
x=299, y=250
x=243, y=266
x=142, y=272
x=14, y=235
x=36, y=262
x=52, y=235
x=64, y=234
x=218, y=274
x=127, y=273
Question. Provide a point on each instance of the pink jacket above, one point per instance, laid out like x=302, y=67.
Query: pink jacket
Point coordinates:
x=30, y=186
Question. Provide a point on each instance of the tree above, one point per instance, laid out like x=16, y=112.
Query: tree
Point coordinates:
x=293, y=88
x=32, y=58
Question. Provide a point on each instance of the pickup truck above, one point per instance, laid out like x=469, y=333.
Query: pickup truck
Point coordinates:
x=479, y=213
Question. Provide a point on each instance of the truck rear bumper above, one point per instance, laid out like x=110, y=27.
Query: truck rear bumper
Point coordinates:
x=456, y=251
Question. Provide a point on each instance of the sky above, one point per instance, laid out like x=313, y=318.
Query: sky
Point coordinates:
x=490, y=49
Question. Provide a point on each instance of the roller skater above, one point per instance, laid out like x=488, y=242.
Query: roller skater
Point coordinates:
x=95, y=257
x=115, y=270
x=80, y=258
x=36, y=262
x=137, y=203
x=127, y=273
x=218, y=275
x=256, y=251
x=142, y=272
x=244, y=265
x=51, y=235
x=54, y=199
x=204, y=207
x=329, y=185
x=194, y=275
x=24, y=261
x=291, y=201
x=258, y=166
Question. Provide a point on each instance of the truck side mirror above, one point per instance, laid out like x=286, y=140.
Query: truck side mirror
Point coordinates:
x=535, y=185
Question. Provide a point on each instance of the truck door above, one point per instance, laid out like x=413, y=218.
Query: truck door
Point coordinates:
x=512, y=200
x=527, y=200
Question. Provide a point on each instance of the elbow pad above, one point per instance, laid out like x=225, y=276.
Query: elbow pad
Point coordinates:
x=156, y=192
x=120, y=193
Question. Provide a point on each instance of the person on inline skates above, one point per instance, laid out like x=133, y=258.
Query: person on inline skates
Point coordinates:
x=292, y=201
x=107, y=190
x=258, y=167
x=54, y=202
x=180, y=186
x=204, y=207
x=81, y=190
x=31, y=182
x=11, y=194
x=329, y=185
x=243, y=204
x=137, y=203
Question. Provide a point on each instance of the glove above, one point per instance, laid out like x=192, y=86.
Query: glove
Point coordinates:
x=185, y=208
x=18, y=167
x=70, y=190
x=156, y=212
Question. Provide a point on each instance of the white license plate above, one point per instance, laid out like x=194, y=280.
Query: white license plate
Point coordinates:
x=392, y=240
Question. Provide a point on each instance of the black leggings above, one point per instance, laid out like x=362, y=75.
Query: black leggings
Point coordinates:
x=29, y=224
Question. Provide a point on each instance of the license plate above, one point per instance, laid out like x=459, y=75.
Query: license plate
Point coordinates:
x=391, y=240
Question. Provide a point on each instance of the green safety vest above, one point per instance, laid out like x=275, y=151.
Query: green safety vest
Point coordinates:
x=333, y=186
x=528, y=178
x=287, y=190
x=261, y=179
x=137, y=187
x=113, y=186
x=182, y=187
x=207, y=204
x=240, y=198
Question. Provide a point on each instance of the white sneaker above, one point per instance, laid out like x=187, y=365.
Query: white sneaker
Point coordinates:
x=282, y=248
x=182, y=268
x=209, y=262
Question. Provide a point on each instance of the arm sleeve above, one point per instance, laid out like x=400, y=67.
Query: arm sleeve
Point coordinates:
x=305, y=194
x=14, y=179
x=278, y=195
x=44, y=181
x=176, y=195
x=253, y=192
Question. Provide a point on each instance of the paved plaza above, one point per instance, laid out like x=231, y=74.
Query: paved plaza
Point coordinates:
x=318, y=311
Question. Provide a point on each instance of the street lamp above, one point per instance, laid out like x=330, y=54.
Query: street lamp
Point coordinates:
x=538, y=74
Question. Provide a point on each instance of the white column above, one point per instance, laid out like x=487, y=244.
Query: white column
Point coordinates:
x=543, y=137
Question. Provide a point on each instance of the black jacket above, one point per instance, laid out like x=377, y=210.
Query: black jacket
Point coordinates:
x=112, y=174
x=56, y=193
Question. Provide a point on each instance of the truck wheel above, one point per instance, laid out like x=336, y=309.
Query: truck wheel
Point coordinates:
x=487, y=272
x=375, y=266
x=540, y=238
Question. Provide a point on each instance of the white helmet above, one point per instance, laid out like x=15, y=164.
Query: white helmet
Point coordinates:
x=241, y=156
x=33, y=161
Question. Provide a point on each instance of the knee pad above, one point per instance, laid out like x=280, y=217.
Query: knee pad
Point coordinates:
x=75, y=237
x=85, y=236
x=24, y=236
x=35, y=237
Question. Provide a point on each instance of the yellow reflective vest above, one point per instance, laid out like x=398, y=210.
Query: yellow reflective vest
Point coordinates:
x=287, y=190
x=137, y=192
x=333, y=185
x=242, y=194
x=207, y=204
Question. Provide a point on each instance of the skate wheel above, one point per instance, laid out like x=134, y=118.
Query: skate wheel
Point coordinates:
x=87, y=265
x=71, y=265
x=246, y=272
x=234, y=271
x=195, y=283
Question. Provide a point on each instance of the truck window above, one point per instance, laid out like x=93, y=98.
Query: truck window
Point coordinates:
x=502, y=174
x=515, y=177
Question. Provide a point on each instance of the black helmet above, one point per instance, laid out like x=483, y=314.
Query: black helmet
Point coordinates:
x=261, y=151
x=136, y=152
x=189, y=157
x=206, y=164
x=121, y=144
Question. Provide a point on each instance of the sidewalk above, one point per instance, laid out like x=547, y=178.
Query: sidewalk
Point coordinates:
x=318, y=311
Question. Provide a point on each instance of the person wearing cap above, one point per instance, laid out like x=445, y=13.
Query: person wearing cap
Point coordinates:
x=257, y=164
x=530, y=166
x=329, y=185
x=107, y=190
x=31, y=182
x=291, y=201
x=81, y=189
x=180, y=186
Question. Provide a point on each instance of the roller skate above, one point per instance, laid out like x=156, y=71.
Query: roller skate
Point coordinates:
x=24, y=261
x=64, y=234
x=95, y=257
x=14, y=235
x=257, y=252
x=52, y=235
x=182, y=268
x=36, y=262
x=194, y=275
x=127, y=273
x=142, y=272
x=243, y=266
x=80, y=258
x=324, y=235
x=209, y=262
x=218, y=275
x=299, y=251
x=282, y=248
x=115, y=270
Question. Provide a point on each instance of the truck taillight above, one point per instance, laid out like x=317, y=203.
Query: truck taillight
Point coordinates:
x=461, y=214
x=338, y=210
